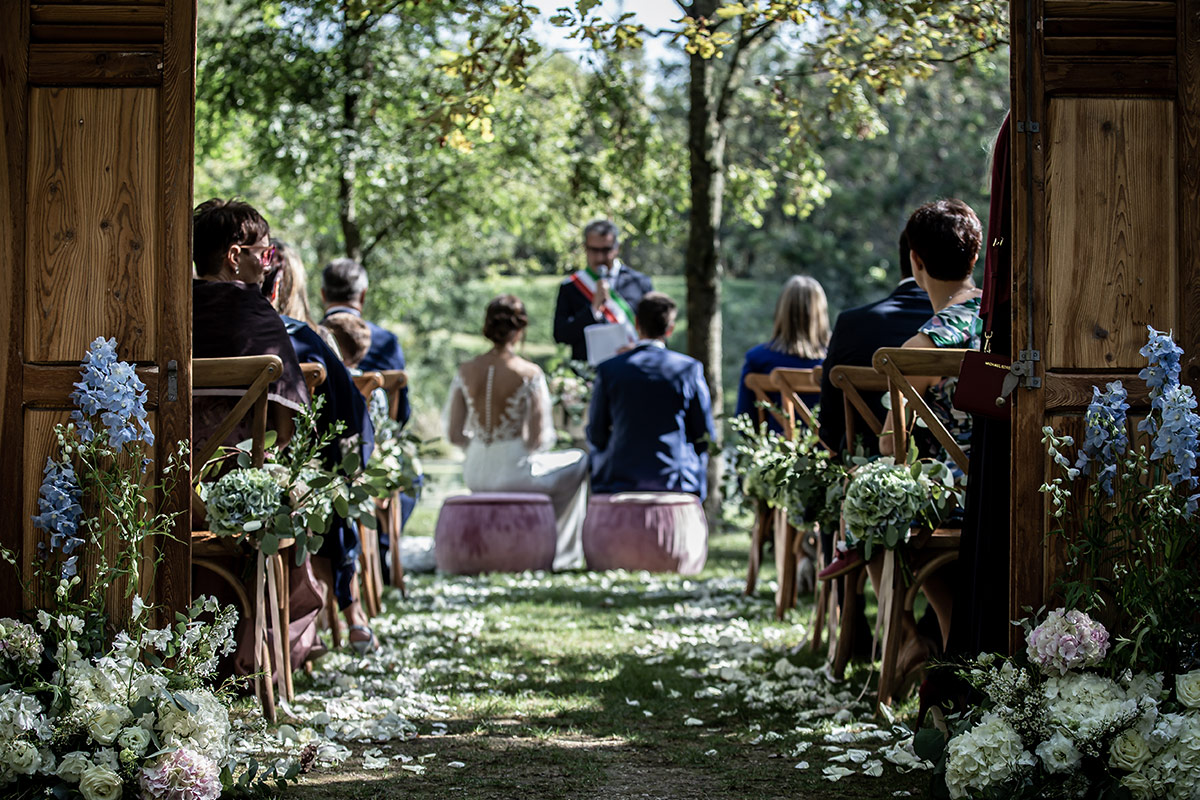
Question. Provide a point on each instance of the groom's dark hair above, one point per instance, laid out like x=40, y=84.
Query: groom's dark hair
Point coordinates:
x=655, y=315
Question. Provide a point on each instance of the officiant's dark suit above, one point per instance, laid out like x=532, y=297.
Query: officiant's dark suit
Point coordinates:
x=574, y=312
x=651, y=417
x=857, y=334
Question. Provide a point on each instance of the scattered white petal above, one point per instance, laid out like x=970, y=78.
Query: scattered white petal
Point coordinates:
x=836, y=773
x=710, y=752
x=634, y=703
x=802, y=765
x=647, y=713
x=456, y=764
x=873, y=768
x=693, y=722
x=416, y=769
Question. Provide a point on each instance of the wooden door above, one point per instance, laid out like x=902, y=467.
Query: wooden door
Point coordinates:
x=97, y=108
x=1106, y=224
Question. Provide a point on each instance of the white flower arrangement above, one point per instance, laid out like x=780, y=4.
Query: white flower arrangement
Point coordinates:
x=1050, y=732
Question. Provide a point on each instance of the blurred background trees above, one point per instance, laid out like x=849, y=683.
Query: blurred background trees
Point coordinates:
x=457, y=153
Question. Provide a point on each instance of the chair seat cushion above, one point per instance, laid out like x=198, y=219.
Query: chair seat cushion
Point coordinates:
x=653, y=531
x=495, y=532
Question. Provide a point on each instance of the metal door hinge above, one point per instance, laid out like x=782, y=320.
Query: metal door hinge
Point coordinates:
x=1028, y=126
x=1023, y=368
x=172, y=381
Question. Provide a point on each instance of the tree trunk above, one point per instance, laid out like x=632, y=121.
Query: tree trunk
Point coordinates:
x=347, y=212
x=706, y=150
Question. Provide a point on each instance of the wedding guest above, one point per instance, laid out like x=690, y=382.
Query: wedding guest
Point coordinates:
x=286, y=286
x=606, y=291
x=798, y=341
x=498, y=411
x=353, y=338
x=651, y=419
x=344, y=287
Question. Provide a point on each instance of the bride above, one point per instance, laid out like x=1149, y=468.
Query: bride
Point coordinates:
x=499, y=413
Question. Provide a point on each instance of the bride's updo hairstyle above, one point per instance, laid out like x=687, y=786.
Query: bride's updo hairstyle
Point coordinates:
x=505, y=319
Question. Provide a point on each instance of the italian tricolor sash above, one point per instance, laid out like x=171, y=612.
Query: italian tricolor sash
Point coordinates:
x=615, y=309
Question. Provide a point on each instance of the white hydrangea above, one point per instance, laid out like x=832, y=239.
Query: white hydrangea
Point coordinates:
x=987, y=755
x=206, y=730
x=20, y=714
x=1173, y=770
x=1089, y=707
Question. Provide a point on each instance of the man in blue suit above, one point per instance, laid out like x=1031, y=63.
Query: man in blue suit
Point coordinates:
x=344, y=290
x=857, y=334
x=651, y=419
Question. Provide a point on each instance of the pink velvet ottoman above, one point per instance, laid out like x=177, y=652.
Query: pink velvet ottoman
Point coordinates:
x=495, y=532
x=654, y=531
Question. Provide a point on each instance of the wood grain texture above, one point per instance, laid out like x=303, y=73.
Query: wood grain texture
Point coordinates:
x=94, y=203
x=1145, y=75
x=101, y=2
x=51, y=387
x=1111, y=229
x=1123, y=9
x=1026, y=567
x=14, y=26
x=1188, y=143
x=95, y=65
x=177, y=110
x=1110, y=45
x=97, y=14
x=92, y=34
x=1073, y=392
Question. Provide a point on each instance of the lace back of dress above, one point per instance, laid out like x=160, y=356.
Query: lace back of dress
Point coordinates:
x=498, y=419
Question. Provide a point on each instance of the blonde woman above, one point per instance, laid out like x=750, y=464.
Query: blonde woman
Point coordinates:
x=799, y=340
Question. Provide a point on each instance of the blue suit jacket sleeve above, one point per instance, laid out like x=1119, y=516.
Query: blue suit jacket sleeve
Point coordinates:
x=698, y=422
x=745, y=397
x=600, y=417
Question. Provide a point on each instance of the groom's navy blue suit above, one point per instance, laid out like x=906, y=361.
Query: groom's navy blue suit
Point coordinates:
x=650, y=424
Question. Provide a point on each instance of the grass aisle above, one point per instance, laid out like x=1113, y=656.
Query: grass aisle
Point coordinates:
x=614, y=685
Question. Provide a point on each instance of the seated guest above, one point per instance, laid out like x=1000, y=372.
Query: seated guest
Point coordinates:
x=344, y=291
x=498, y=411
x=651, y=420
x=286, y=286
x=353, y=337
x=798, y=341
x=230, y=317
x=336, y=561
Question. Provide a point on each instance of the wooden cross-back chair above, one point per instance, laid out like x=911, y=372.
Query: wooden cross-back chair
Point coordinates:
x=761, y=385
x=844, y=596
x=269, y=605
x=314, y=375
x=929, y=551
x=388, y=511
x=368, y=556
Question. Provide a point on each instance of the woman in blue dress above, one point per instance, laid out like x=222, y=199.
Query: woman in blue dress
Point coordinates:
x=799, y=340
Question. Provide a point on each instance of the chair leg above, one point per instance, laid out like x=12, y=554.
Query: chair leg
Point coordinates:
x=368, y=561
x=762, y=521
x=891, y=611
x=394, y=534
x=847, y=616
x=821, y=600
x=264, y=683
x=785, y=563
x=331, y=613
x=279, y=622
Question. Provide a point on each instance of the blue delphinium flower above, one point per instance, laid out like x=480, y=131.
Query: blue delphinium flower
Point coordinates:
x=112, y=391
x=58, y=502
x=1105, y=439
x=1177, y=434
x=1162, y=355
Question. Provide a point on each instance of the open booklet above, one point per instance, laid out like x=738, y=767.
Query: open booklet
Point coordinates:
x=604, y=340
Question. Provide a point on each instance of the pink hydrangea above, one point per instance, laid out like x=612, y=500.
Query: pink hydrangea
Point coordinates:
x=182, y=775
x=1067, y=640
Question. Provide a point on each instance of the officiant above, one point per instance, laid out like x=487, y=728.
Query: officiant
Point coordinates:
x=606, y=292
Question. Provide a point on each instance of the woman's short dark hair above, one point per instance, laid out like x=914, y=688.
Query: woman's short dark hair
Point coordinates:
x=655, y=315
x=218, y=225
x=505, y=318
x=947, y=236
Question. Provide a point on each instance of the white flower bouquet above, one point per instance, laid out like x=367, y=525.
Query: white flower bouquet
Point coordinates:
x=1058, y=728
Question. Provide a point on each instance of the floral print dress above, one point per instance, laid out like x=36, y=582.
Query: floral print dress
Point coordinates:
x=956, y=326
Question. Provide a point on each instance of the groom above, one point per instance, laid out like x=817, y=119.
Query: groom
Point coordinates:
x=651, y=420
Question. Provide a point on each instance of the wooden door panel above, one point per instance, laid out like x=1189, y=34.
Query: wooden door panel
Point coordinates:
x=92, y=234
x=1110, y=229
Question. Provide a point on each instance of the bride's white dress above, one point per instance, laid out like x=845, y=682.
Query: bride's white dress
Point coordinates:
x=506, y=445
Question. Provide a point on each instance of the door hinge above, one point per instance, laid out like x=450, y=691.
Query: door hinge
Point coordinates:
x=172, y=381
x=1030, y=126
x=1023, y=368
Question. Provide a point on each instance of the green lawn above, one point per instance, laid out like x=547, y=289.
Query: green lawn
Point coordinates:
x=598, y=685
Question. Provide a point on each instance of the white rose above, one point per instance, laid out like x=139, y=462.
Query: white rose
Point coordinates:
x=100, y=783
x=1059, y=753
x=106, y=723
x=1138, y=786
x=1187, y=688
x=73, y=765
x=23, y=758
x=135, y=739
x=1129, y=751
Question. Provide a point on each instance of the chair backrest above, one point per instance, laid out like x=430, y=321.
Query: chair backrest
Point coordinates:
x=368, y=382
x=852, y=381
x=899, y=365
x=314, y=375
x=760, y=383
x=791, y=384
x=254, y=375
x=393, y=381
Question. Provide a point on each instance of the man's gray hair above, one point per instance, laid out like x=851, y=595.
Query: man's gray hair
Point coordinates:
x=343, y=279
x=603, y=227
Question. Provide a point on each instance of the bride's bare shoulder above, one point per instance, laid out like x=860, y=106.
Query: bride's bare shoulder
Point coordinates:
x=526, y=369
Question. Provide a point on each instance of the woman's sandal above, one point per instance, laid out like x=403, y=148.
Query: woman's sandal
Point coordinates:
x=363, y=646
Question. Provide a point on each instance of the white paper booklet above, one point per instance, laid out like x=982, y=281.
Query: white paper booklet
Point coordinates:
x=603, y=341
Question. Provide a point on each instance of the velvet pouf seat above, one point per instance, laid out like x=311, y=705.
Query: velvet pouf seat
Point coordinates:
x=495, y=532
x=654, y=531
